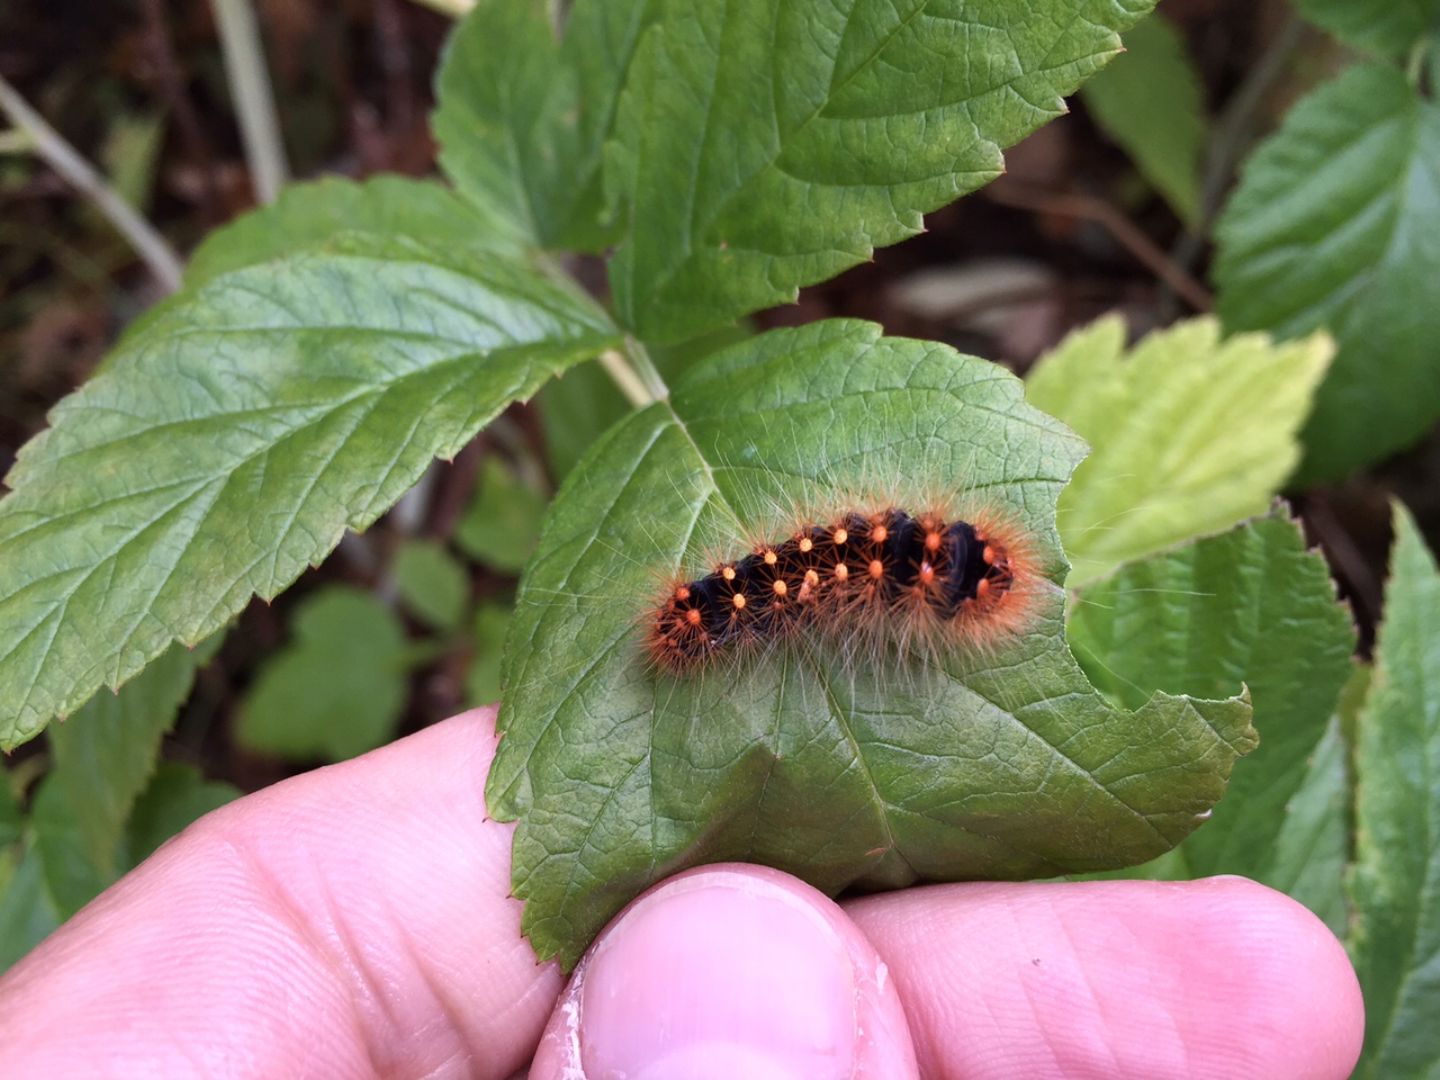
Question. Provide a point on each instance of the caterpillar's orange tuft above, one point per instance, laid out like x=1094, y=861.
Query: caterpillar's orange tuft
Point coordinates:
x=908, y=577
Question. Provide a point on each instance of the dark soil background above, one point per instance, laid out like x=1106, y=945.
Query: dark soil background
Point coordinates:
x=1070, y=233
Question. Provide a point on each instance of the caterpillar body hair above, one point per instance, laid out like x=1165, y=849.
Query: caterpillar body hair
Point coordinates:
x=886, y=576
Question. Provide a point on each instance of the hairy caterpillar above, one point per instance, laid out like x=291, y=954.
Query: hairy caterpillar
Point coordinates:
x=924, y=578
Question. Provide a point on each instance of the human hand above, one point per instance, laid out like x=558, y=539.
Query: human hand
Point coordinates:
x=355, y=921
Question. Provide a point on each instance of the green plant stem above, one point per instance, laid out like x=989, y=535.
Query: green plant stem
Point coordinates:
x=153, y=248
x=453, y=8
x=254, y=103
x=618, y=367
x=640, y=360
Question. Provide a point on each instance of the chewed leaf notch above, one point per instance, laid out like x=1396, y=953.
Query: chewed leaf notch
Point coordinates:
x=993, y=761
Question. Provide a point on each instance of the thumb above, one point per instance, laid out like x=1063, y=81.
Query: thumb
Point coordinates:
x=728, y=971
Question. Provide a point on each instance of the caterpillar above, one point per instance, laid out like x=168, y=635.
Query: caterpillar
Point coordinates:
x=887, y=572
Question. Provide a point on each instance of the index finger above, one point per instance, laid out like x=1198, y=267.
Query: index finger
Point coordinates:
x=348, y=922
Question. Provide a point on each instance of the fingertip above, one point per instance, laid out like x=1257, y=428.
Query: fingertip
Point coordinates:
x=729, y=970
x=1218, y=977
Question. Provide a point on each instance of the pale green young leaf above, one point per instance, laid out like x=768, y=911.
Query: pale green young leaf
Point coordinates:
x=1396, y=881
x=337, y=689
x=523, y=116
x=1254, y=606
x=232, y=442
x=764, y=146
x=1387, y=27
x=998, y=763
x=502, y=522
x=1152, y=103
x=1334, y=226
x=105, y=753
x=1189, y=434
x=432, y=583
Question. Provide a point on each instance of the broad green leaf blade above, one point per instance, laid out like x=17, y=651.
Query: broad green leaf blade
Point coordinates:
x=337, y=690
x=232, y=443
x=1396, y=882
x=1002, y=764
x=27, y=913
x=1152, y=103
x=523, y=116
x=502, y=522
x=1387, y=27
x=177, y=796
x=765, y=146
x=1312, y=850
x=105, y=754
x=432, y=583
x=1252, y=606
x=72, y=878
x=1188, y=434
x=1334, y=225
x=310, y=214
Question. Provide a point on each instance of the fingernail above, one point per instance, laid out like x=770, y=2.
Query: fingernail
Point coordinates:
x=719, y=974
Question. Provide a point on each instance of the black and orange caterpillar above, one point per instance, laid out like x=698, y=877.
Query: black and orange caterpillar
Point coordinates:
x=889, y=572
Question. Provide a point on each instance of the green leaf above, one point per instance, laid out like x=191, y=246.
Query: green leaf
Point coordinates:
x=1001, y=763
x=576, y=408
x=1188, y=434
x=72, y=878
x=1152, y=103
x=310, y=214
x=502, y=522
x=231, y=443
x=766, y=146
x=1336, y=224
x=1387, y=27
x=27, y=913
x=106, y=753
x=1253, y=606
x=338, y=688
x=11, y=819
x=432, y=583
x=177, y=796
x=482, y=677
x=1312, y=850
x=523, y=116
x=1396, y=882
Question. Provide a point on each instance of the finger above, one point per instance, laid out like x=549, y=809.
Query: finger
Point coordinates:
x=1214, y=978
x=729, y=971
x=348, y=922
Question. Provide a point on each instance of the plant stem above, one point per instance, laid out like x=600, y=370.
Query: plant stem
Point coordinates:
x=617, y=366
x=254, y=104
x=48, y=143
x=453, y=8
x=645, y=367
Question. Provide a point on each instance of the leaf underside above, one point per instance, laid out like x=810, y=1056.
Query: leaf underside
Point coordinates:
x=1250, y=605
x=1396, y=881
x=1005, y=764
